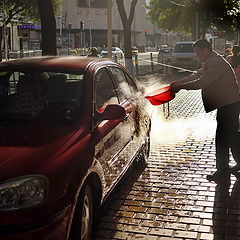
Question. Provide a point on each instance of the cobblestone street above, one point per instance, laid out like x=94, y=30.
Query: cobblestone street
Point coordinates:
x=171, y=198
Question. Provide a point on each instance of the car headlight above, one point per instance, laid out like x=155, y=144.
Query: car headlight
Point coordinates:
x=23, y=192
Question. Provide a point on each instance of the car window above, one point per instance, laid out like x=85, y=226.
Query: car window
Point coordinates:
x=186, y=48
x=65, y=86
x=26, y=94
x=104, y=90
x=131, y=84
x=124, y=85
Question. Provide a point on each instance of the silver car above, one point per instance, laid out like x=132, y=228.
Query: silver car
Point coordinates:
x=183, y=56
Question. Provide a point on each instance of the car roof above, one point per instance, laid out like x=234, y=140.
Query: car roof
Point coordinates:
x=54, y=62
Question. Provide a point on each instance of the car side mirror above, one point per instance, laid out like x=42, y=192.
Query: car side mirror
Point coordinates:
x=113, y=112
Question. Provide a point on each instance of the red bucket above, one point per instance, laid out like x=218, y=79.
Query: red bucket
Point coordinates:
x=160, y=96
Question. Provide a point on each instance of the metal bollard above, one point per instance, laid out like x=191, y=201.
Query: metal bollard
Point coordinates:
x=151, y=57
x=136, y=64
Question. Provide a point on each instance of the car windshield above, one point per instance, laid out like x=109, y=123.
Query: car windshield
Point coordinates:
x=35, y=97
x=184, y=47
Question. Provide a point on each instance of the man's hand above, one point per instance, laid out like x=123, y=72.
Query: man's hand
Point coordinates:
x=175, y=87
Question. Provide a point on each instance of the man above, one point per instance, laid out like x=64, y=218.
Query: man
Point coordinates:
x=220, y=91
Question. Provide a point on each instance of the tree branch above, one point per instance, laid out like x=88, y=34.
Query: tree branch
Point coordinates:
x=131, y=15
x=122, y=11
x=16, y=9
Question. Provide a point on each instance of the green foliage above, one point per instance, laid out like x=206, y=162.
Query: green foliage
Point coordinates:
x=179, y=15
x=27, y=9
x=169, y=15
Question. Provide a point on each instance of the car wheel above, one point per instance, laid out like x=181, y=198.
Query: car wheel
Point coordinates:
x=83, y=217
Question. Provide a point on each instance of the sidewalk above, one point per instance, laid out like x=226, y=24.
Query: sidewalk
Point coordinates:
x=171, y=198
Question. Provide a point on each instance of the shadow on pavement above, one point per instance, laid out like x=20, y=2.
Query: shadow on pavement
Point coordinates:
x=226, y=212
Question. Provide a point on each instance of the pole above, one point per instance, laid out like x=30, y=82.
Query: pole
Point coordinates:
x=151, y=57
x=197, y=20
x=109, y=29
x=5, y=32
x=90, y=24
x=136, y=64
x=69, y=27
x=81, y=39
x=60, y=28
x=80, y=33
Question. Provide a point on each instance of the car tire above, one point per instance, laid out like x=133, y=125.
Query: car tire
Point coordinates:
x=83, y=216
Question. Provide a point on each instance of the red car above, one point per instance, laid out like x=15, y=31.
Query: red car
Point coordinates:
x=70, y=128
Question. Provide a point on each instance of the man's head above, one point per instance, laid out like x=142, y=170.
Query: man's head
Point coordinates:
x=39, y=83
x=203, y=49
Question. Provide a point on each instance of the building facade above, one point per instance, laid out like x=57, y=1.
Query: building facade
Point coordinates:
x=94, y=14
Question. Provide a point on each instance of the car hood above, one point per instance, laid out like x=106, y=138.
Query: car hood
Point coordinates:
x=27, y=142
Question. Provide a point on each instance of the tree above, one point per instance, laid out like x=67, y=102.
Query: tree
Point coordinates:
x=10, y=9
x=33, y=10
x=127, y=24
x=180, y=15
x=48, y=24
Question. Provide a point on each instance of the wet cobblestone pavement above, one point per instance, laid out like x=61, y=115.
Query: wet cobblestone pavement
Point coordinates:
x=171, y=198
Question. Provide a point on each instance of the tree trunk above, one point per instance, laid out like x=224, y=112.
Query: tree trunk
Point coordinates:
x=127, y=23
x=128, y=48
x=48, y=24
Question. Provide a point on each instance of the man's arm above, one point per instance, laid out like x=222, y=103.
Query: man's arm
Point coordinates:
x=212, y=71
x=189, y=82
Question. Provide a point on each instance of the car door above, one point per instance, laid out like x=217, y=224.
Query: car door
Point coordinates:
x=111, y=133
x=137, y=125
x=127, y=92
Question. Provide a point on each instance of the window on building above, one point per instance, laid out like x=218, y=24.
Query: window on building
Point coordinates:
x=93, y=3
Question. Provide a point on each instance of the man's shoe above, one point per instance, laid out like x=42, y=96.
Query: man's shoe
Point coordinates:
x=217, y=176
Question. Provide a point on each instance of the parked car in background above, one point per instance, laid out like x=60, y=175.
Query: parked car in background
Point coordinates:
x=163, y=54
x=229, y=47
x=165, y=49
x=134, y=50
x=70, y=129
x=183, y=56
x=116, y=53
